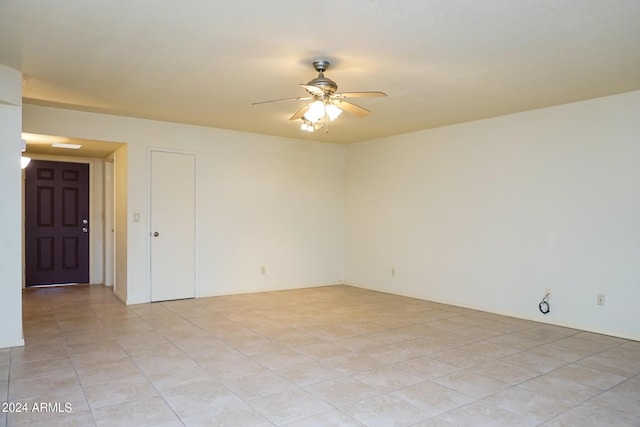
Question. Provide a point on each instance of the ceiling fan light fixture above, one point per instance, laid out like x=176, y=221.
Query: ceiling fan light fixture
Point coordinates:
x=326, y=105
x=309, y=126
x=333, y=111
x=316, y=112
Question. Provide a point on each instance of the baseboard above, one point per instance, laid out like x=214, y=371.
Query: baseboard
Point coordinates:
x=120, y=297
x=136, y=301
x=546, y=320
x=14, y=343
x=255, y=291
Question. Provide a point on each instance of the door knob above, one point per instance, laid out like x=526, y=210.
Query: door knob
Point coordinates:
x=156, y=234
x=85, y=229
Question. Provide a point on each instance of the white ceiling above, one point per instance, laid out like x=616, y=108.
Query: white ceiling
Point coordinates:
x=204, y=62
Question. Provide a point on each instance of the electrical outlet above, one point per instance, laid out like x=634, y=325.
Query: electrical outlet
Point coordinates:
x=263, y=270
x=547, y=292
x=393, y=271
x=600, y=299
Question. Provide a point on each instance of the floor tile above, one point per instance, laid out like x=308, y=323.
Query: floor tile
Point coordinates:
x=583, y=344
x=197, y=398
x=481, y=414
x=547, y=333
x=387, y=378
x=24, y=369
x=238, y=414
x=258, y=385
x=352, y=363
x=562, y=389
x=471, y=384
x=140, y=413
x=325, y=356
x=611, y=365
x=119, y=391
x=587, y=376
x=385, y=411
x=281, y=359
x=223, y=370
x=426, y=367
x=308, y=373
x=505, y=372
x=388, y=354
x=100, y=373
x=343, y=391
x=531, y=405
x=332, y=418
x=432, y=398
x=630, y=389
x=459, y=358
x=289, y=406
x=559, y=352
x=537, y=362
x=35, y=386
x=80, y=419
x=423, y=346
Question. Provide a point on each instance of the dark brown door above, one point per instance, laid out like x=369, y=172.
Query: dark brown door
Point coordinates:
x=56, y=223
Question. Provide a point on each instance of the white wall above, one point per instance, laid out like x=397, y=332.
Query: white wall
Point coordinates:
x=489, y=214
x=261, y=201
x=10, y=209
x=121, y=166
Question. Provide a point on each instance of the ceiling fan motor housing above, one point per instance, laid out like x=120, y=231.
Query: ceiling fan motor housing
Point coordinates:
x=327, y=85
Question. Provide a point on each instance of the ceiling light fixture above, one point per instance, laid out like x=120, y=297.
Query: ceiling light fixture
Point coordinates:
x=65, y=145
x=310, y=127
x=319, y=114
x=315, y=112
x=24, y=161
x=332, y=111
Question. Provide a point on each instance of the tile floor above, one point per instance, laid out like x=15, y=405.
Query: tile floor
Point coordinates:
x=328, y=356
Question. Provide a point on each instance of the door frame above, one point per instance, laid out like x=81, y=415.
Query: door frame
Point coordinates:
x=95, y=220
x=109, y=202
x=148, y=216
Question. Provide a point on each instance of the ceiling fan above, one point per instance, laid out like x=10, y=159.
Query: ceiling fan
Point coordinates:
x=326, y=105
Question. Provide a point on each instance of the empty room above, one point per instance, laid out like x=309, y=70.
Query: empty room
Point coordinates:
x=296, y=213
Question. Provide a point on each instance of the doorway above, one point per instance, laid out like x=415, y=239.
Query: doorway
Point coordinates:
x=56, y=223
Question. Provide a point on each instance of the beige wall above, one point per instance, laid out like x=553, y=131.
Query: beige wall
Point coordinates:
x=489, y=214
x=10, y=209
x=261, y=201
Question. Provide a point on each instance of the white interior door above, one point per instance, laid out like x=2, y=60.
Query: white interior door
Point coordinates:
x=172, y=225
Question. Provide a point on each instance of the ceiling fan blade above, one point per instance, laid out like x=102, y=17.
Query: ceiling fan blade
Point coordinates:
x=282, y=99
x=358, y=94
x=298, y=114
x=313, y=90
x=351, y=108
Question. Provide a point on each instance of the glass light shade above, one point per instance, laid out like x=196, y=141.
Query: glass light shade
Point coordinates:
x=333, y=112
x=24, y=161
x=315, y=112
